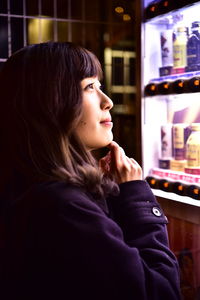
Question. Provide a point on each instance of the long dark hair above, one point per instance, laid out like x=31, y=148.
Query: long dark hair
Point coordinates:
x=41, y=101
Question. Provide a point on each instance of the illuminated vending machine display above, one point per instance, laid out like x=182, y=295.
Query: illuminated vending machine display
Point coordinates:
x=171, y=125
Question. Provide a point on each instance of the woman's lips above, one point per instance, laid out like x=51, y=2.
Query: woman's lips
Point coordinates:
x=107, y=122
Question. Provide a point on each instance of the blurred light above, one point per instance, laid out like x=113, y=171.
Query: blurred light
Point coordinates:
x=196, y=191
x=40, y=30
x=126, y=17
x=180, y=84
x=180, y=187
x=166, y=3
x=106, y=37
x=119, y=10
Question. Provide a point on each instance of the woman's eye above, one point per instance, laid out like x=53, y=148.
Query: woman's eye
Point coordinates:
x=90, y=86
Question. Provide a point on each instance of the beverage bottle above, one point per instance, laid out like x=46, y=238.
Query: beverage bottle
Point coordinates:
x=152, y=10
x=180, y=49
x=165, y=185
x=164, y=88
x=193, y=148
x=166, y=6
x=178, y=86
x=179, y=188
x=152, y=181
x=166, y=47
x=193, y=191
x=166, y=146
x=193, y=84
x=166, y=41
x=193, y=48
x=166, y=141
x=151, y=89
x=180, y=133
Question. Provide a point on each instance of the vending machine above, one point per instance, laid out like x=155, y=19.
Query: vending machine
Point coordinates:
x=170, y=89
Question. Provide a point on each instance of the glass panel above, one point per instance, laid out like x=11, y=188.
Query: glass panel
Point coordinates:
x=108, y=13
x=32, y=8
x=77, y=9
x=3, y=6
x=124, y=128
x=117, y=98
x=117, y=71
x=132, y=71
x=16, y=7
x=39, y=30
x=62, y=28
x=132, y=97
x=122, y=11
x=78, y=30
x=93, y=10
x=109, y=10
x=33, y=31
x=46, y=30
x=17, y=40
x=47, y=8
x=3, y=37
x=94, y=34
x=62, y=9
x=122, y=36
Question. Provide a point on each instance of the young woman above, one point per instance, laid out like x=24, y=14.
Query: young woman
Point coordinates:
x=71, y=228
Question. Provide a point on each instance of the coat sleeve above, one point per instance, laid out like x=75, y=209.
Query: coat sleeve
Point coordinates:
x=125, y=258
x=143, y=224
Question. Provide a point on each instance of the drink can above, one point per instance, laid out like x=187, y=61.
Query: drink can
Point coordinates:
x=180, y=132
x=166, y=141
x=166, y=40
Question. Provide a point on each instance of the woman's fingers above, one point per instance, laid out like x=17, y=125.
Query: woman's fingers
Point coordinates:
x=115, y=153
x=122, y=167
x=105, y=162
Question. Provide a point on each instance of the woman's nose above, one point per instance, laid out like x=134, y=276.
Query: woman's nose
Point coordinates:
x=106, y=102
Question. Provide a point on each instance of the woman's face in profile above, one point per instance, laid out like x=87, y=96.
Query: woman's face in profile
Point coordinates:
x=95, y=126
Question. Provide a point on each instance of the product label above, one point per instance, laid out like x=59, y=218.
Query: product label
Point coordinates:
x=178, y=135
x=193, y=51
x=193, y=155
x=179, y=56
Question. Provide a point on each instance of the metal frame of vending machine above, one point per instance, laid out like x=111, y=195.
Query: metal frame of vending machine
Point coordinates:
x=169, y=92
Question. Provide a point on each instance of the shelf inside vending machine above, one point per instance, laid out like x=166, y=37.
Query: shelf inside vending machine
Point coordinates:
x=174, y=77
x=175, y=185
x=175, y=197
x=158, y=54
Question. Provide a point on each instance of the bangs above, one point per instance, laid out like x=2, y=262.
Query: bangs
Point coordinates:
x=89, y=65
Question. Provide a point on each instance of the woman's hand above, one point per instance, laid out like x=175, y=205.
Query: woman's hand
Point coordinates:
x=118, y=166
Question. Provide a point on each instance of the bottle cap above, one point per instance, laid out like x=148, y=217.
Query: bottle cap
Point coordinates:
x=151, y=89
x=193, y=84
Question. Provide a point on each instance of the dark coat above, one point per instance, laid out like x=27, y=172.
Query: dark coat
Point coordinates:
x=57, y=243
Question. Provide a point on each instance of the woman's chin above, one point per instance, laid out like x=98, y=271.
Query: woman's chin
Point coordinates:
x=102, y=143
x=109, y=140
